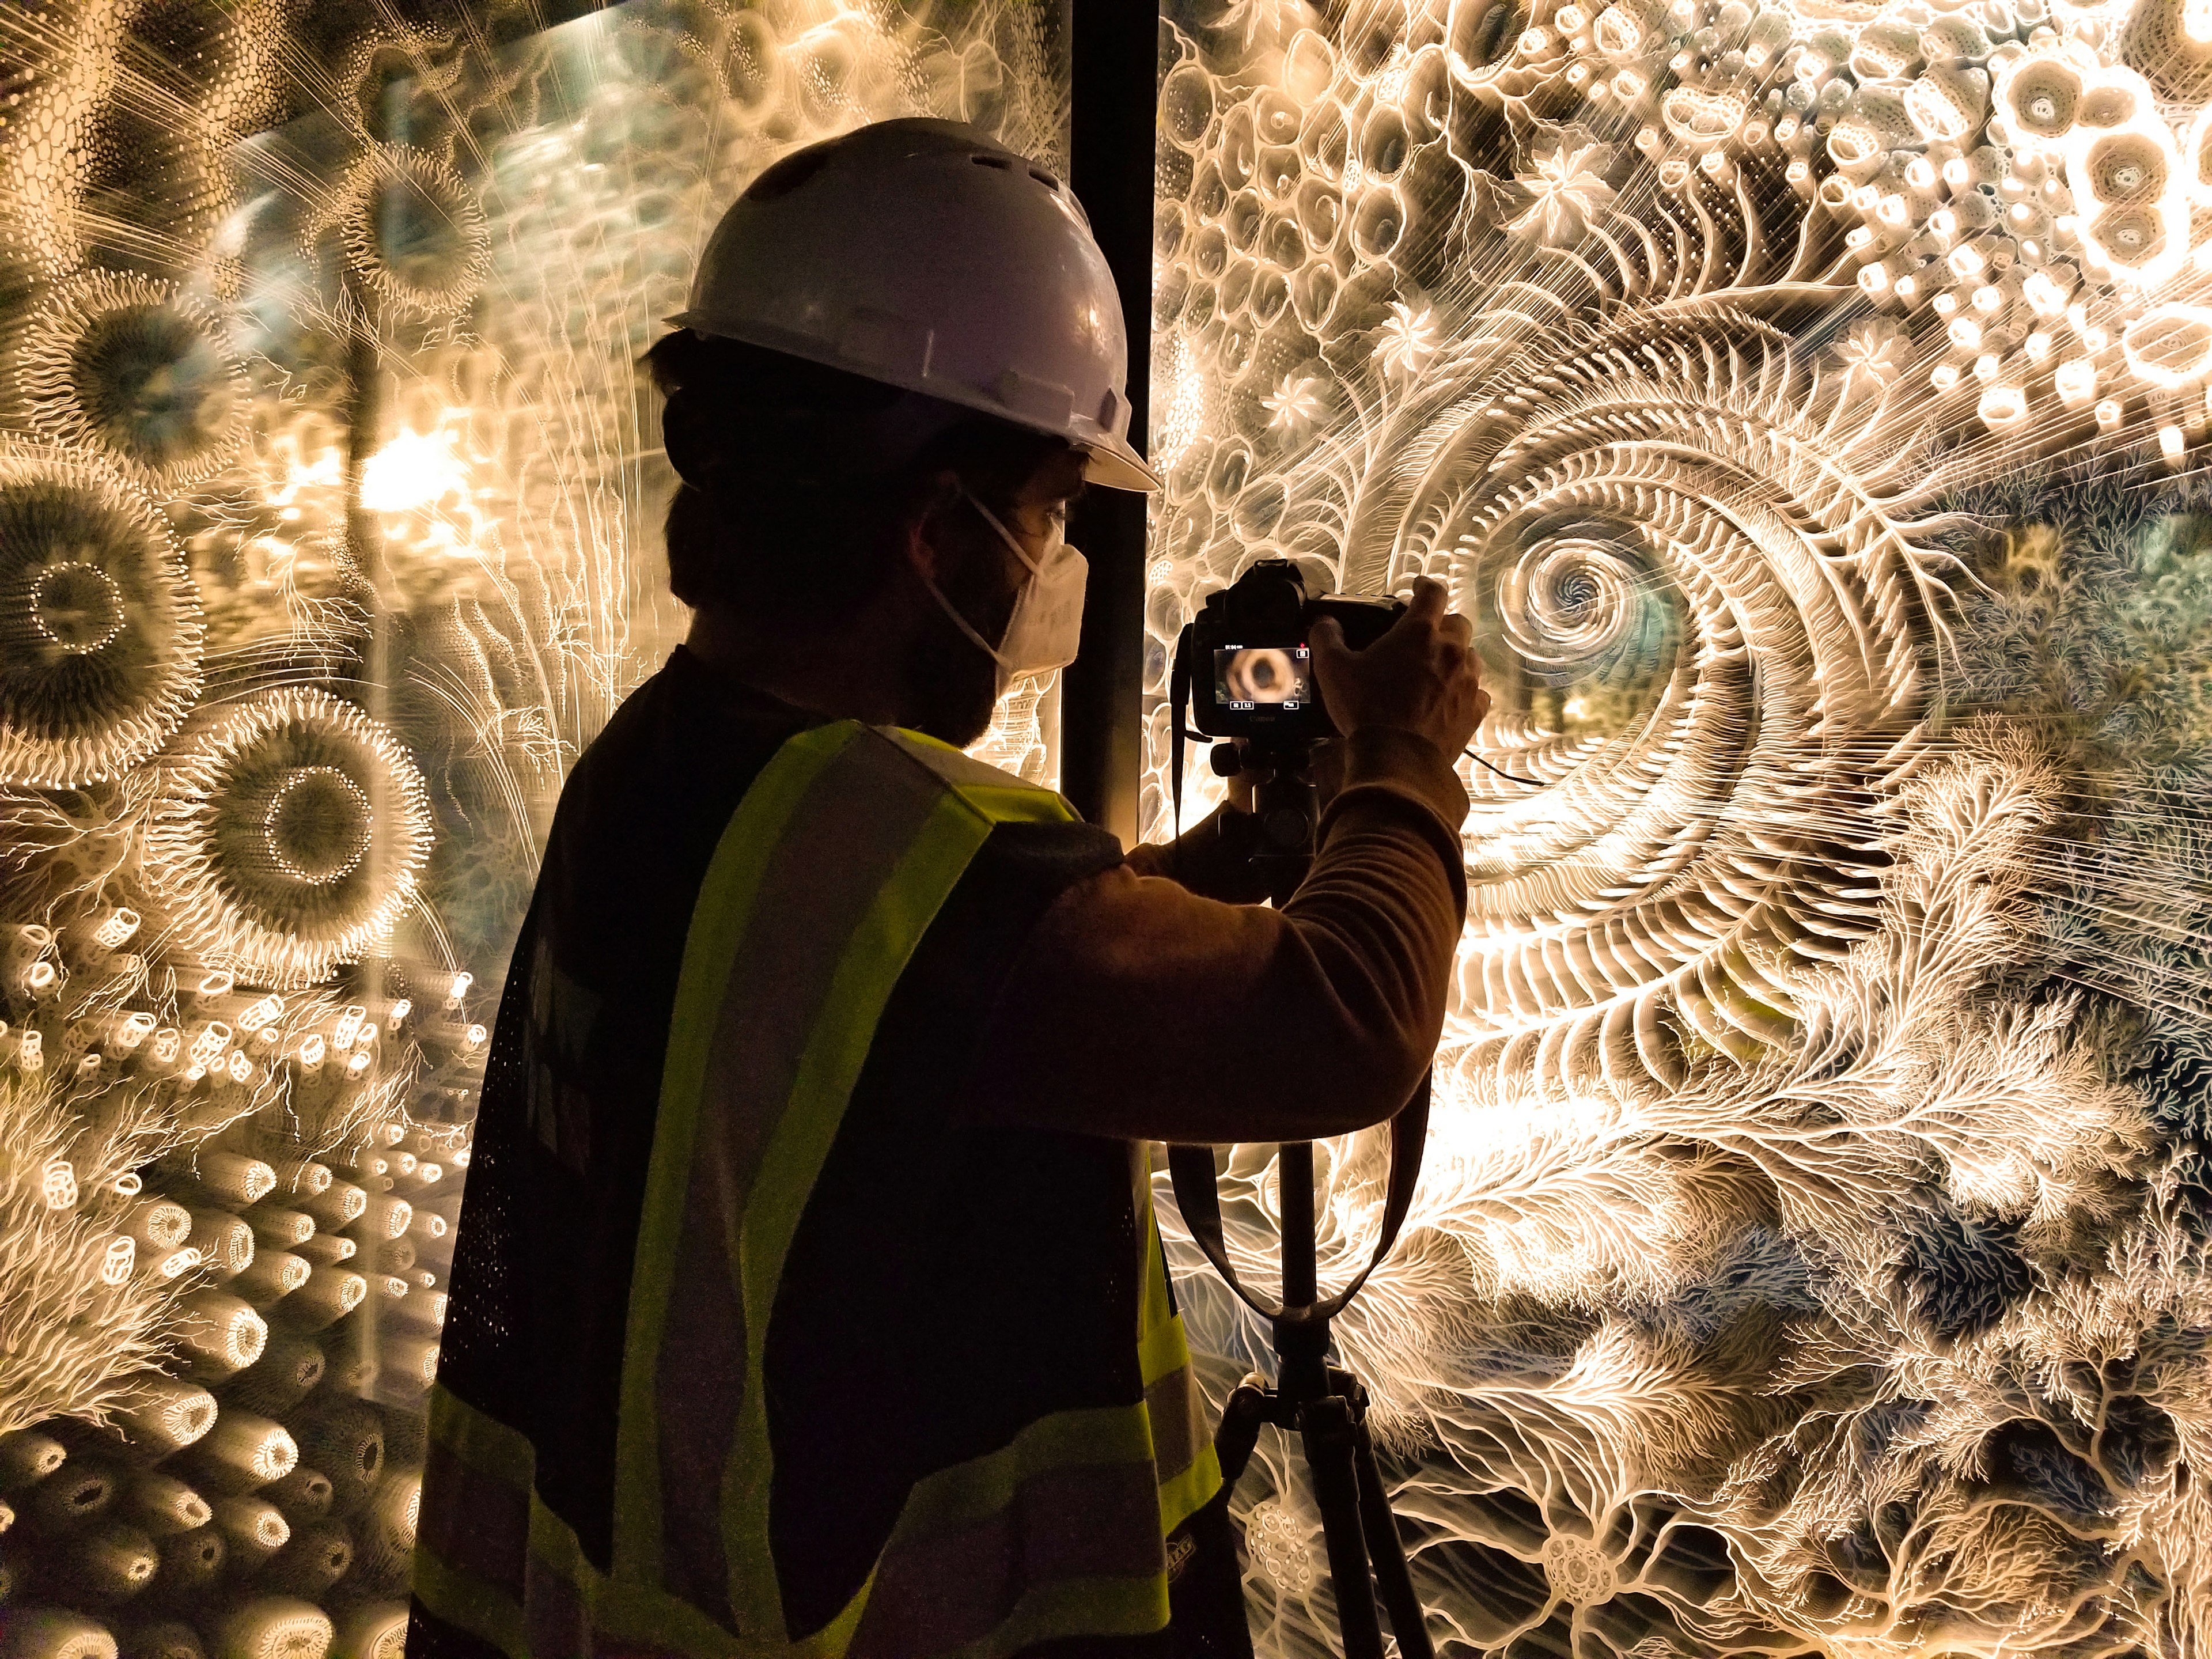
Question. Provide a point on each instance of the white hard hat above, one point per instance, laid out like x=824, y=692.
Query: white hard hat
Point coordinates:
x=920, y=254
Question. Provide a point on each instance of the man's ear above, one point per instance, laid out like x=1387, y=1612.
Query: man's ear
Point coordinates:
x=929, y=551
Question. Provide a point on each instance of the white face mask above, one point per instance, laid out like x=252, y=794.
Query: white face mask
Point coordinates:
x=1047, y=625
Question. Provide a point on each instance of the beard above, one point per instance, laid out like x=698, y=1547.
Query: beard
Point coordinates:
x=951, y=685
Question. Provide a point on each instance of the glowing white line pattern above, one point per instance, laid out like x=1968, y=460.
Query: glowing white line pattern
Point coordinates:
x=258, y=847
x=101, y=625
x=139, y=371
x=330, y=501
x=1806, y=404
x=1805, y=399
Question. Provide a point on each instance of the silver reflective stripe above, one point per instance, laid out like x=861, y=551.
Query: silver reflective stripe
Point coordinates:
x=857, y=821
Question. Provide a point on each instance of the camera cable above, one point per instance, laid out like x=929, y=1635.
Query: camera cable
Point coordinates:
x=1510, y=777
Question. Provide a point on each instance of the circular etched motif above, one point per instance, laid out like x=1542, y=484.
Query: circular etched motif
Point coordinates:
x=99, y=625
x=1577, y=1571
x=1276, y=1545
x=75, y=606
x=415, y=231
x=139, y=371
x=317, y=825
x=289, y=838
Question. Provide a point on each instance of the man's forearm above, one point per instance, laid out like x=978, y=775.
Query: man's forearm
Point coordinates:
x=1142, y=1010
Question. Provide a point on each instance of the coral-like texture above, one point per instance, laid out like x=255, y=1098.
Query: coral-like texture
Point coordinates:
x=100, y=626
x=1804, y=401
x=135, y=371
x=329, y=535
x=288, y=838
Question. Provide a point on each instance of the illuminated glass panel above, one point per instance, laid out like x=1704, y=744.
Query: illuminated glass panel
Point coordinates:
x=1805, y=401
x=330, y=532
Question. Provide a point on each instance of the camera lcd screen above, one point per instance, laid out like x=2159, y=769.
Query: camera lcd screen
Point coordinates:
x=1247, y=676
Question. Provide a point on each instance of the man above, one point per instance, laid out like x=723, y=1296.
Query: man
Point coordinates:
x=807, y=1299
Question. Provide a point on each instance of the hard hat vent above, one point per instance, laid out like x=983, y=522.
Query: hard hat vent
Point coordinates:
x=788, y=174
x=1009, y=163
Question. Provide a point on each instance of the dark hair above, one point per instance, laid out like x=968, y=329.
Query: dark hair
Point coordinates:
x=797, y=478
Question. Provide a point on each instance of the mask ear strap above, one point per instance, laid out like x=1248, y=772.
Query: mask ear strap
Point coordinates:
x=964, y=624
x=947, y=606
x=1005, y=534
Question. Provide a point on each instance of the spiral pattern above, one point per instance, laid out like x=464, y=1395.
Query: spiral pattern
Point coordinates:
x=1703, y=618
x=1571, y=605
x=100, y=623
x=1703, y=640
x=289, y=837
x=415, y=231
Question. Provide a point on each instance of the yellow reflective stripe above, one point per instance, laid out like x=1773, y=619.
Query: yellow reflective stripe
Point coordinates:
x=482, y=1442
x=719, y=919
x=1013, y=806
x=913, y=739
x=626, y=1610
x=1162, y=1349
x=468, y=1603
x=1073, y=1607
x=1161, y=1353
x=644, y=1614
x=836, y=1049
x=983, y=1485
x=1000, y=794
x=630, y=1602
x=1155, y=1310
x=834, y=1637
x=1049, y=1488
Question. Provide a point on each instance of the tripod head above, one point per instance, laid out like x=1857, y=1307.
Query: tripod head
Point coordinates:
x=1286, y=806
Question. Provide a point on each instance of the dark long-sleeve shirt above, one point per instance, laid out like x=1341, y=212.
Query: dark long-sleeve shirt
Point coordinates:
x=1142, y=1007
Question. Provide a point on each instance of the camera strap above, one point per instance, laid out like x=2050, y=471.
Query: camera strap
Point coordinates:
x=1178, y=700
x=1191, y=1170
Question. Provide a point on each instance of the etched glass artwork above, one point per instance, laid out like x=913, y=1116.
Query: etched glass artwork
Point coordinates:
x=1807, y=403
x=329, y=514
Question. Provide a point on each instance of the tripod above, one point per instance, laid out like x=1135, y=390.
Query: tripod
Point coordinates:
x=1323, y=1404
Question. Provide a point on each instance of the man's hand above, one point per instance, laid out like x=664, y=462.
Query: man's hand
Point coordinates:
x=1421, y=676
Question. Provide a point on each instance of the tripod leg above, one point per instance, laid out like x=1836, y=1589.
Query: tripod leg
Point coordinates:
x=1327, y=1429
x=1392, y=1577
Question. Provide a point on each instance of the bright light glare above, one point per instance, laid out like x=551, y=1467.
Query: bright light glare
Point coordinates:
x=415, y=469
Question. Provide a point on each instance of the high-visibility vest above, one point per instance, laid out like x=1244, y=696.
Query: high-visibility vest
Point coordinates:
x=830, y=871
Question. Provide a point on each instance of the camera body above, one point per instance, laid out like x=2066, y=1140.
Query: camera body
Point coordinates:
x=1244, y=668
x=1250, y=663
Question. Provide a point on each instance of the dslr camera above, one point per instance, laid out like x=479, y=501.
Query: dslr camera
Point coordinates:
x=1247, y=662
x=1244, y=670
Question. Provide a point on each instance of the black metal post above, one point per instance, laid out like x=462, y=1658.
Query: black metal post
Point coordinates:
x=1114, y=48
